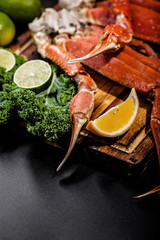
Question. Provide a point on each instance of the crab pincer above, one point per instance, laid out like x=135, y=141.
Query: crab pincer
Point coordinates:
x=115, y=35
x=80, y=110
x=82, y=104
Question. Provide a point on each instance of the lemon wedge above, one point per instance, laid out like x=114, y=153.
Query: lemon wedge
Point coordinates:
x=116, y=120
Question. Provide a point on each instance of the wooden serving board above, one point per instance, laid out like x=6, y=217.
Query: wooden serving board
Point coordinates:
x=130, y=151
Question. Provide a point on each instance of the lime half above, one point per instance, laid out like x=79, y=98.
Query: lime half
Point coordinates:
x=32, y=74
x=7, y=59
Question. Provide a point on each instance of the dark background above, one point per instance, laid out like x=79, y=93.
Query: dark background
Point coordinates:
x=80, y=202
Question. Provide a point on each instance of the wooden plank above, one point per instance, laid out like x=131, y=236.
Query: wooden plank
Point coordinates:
x=132, y=147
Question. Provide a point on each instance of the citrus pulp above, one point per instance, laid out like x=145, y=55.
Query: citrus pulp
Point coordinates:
x=33, y=74
x=116, y=120
x=7, y=59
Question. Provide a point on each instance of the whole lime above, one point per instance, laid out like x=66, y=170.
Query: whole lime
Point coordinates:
x=23, y=11
x=7, y=29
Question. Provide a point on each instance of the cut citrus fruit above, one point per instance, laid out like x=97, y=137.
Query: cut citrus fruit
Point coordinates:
x=7, y=59
x=116, y=120
x=32, y=74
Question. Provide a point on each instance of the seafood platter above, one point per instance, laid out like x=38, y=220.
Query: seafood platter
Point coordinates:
x=106, y=47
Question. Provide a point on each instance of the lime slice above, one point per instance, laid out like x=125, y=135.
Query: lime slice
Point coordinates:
x=32, y=74
x=7, y=59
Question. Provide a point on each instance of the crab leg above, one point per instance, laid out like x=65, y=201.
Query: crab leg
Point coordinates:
x=82, y=104
x=155, y=122
x=146, y=71
x=146, y=48
x=114, y=67
x=147, y=25
x=115, y=35
x=151, y=4
x=101, y=15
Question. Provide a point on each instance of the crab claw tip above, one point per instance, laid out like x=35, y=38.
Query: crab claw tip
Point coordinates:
x=77, y=125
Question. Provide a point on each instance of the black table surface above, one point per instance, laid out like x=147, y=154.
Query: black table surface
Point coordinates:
x=79, y=202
